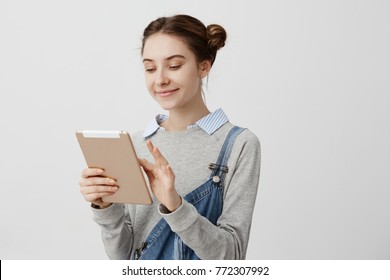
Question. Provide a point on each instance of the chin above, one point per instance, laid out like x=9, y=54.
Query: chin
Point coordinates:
x=168, y=106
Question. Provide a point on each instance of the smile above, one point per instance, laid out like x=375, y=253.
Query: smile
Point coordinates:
x=165, y=93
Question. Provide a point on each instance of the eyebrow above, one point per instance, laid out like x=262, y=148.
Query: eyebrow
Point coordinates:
x=168, y=58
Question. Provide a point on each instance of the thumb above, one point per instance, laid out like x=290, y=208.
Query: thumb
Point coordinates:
x=146, y=165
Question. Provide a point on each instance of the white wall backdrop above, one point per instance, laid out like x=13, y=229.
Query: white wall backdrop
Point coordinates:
x=310, y=78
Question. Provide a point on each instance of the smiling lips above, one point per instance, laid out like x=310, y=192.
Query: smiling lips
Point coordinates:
x=167, y=92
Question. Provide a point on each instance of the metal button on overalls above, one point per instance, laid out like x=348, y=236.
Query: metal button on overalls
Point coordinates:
x=216, y=179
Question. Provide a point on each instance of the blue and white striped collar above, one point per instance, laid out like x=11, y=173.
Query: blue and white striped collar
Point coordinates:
x=210, y=123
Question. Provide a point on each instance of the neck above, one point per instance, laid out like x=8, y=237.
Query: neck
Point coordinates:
x=181, y=118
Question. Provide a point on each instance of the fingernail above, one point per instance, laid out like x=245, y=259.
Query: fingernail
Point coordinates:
x=99, y=171
x=111, y=181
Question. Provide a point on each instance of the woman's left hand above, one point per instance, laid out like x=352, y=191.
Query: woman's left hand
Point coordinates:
x=161, y=179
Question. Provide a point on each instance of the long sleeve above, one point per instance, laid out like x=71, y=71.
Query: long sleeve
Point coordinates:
x=117, y=232
x=229, y=238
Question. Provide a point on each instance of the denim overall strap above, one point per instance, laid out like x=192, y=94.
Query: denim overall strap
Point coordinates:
x=220, y=168
x=162, y=242
x=228, y=145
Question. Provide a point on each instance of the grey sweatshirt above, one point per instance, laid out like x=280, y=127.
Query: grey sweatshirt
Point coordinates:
x=189, y=152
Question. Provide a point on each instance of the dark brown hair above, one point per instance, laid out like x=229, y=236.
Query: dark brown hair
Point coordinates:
x=203, y=41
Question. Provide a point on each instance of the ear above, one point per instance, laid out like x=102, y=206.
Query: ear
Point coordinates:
x=204, y=68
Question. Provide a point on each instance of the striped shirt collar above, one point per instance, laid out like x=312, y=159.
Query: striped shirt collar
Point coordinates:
x=210, y=123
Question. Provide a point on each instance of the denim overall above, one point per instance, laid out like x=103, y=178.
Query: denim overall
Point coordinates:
x=162, y=243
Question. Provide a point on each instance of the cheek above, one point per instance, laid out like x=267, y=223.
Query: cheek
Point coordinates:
x=190, y=78
x=193, y=80
x=149, y=82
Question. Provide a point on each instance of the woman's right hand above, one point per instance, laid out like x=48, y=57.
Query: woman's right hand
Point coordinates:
x=93, y=186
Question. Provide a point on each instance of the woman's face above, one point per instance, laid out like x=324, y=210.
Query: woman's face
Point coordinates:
x=173, y=76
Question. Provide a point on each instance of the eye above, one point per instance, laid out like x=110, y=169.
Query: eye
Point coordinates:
x=174, y=67
x=150, y=70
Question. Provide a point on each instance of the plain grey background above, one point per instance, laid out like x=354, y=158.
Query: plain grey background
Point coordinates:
x=309, y=78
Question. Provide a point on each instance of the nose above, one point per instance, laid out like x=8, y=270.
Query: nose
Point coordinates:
x=161, y=78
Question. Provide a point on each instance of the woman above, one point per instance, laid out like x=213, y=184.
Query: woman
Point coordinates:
x=202, y=170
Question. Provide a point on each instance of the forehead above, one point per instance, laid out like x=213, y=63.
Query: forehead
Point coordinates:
x=160, y=46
